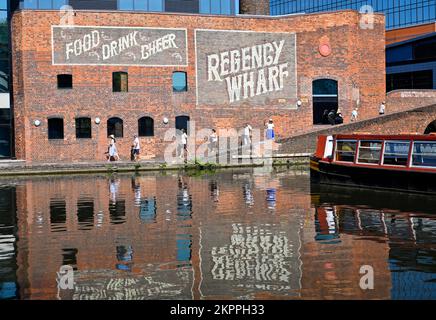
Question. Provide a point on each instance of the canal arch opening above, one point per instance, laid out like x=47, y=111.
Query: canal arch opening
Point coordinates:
x=325, y=99
x=431, y=128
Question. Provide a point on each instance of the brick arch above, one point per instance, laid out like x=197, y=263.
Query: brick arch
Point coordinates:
x=431, y=128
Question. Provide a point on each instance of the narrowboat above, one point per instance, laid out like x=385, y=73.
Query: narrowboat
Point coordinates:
x=405, y=162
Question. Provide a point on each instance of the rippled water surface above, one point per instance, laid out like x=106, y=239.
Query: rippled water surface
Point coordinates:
x=237, y=234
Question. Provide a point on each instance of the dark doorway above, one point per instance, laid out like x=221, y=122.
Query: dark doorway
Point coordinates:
x=182, y=123
x=431, y=128
x=325, y=97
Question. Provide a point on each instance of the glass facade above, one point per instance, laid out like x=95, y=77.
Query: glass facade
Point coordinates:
x=412, y=64
x=5, y=111
x=399, y=13
x=224, y=7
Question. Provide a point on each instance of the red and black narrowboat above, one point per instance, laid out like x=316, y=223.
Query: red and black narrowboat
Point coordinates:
x=405, y=162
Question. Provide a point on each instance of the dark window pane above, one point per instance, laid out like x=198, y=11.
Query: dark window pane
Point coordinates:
x=190, y=6
x=146, y=127
x=115, y=127
x=410, y=80
x=119, y=82
x=55, y=128
x=65, y=81
x=179, y=81
x=83, y=128
x=325, y=87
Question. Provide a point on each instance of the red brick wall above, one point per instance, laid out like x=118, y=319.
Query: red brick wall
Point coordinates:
x=357, y=59
x=403, y=100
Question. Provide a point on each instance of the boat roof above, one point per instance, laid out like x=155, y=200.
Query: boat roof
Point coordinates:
x=403, y=136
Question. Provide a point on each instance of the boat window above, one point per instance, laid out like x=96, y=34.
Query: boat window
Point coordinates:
x=369, y=152
x=424, y=154
x=396, y=153
x=345, y=150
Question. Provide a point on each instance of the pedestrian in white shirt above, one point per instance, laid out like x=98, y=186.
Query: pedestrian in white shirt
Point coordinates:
x=270, y=130
x=184, y=143
x=382, y=109
x=246, y=137
x=135, y=148
x=354, y=115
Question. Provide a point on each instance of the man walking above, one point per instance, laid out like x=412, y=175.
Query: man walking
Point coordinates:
x=135, y=148
x=246, y=137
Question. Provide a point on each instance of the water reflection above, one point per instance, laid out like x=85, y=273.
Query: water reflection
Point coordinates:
x=237, y=234
x=8, y=281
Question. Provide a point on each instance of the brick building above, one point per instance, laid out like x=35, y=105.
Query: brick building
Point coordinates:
x=127, y=72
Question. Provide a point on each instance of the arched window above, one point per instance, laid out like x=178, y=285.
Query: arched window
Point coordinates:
x=325, y=99
x=180, y=82
x=83, y=128
x=431, y=128
x=120, y=82
x=115, y=127
x=146, y=127
x=55, y=128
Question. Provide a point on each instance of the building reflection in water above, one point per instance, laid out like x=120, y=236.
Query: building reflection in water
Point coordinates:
x=85, y=213
x=58, y=215
x=326, y=224
x=125, y=258
x=69, y=257
x=8, y=263
x=248, y=194
x=214, y=190
x=210, y=248
x=410, y=239
x=184, y=224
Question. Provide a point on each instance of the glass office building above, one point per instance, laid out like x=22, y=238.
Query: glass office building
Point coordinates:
x=399, y=13
x=5, y=110
x=225, y=7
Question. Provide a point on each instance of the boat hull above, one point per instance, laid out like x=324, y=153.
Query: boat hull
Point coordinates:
x=378, y=178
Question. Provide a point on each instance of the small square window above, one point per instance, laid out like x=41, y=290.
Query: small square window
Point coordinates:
x=55, y=128
x=65, y=81
x=180, y=81
x=120, y=82
x=83, y=128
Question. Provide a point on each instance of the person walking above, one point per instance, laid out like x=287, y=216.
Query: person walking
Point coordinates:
x=136, y=148
x=112, y=149
x=382, y=108
x=246, y=137
x=354, y=115
x=270, y=130
x=332, y=116
x=184, y=144
x=213, y=140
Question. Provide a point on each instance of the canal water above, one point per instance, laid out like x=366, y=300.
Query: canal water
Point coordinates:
x=257, y=233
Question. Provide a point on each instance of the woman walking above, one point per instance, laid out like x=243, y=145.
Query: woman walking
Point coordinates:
x=270, y=130
x=112, y=149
